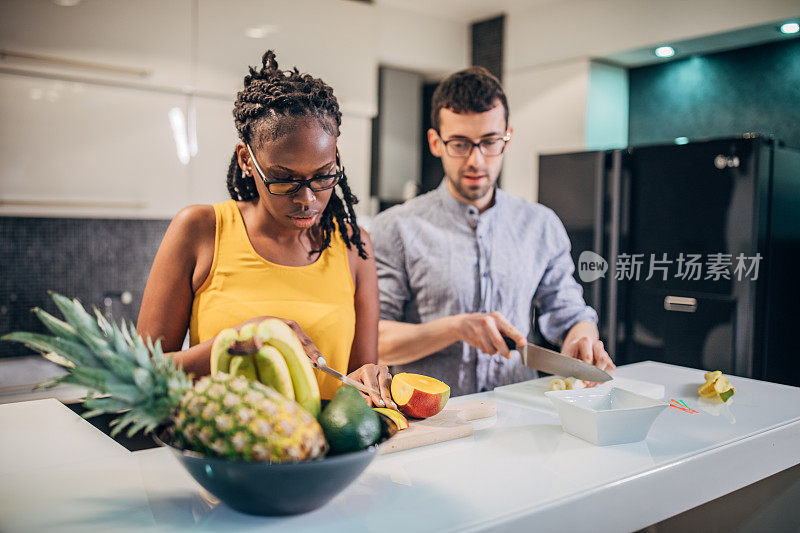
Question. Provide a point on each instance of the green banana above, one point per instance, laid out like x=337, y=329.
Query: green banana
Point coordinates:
x=272, y=371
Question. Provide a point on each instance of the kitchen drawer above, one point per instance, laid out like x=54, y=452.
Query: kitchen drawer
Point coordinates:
x=694, y=331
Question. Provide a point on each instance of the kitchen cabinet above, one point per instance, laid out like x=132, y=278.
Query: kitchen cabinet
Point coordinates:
x=77, y=149
x=147, y=42
x=518, y=472
x=216, y=140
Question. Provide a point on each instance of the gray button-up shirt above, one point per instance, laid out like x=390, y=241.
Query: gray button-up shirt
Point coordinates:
x=438, y=257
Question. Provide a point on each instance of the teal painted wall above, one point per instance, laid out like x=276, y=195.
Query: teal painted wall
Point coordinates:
x=606, y=107
x=754, y=89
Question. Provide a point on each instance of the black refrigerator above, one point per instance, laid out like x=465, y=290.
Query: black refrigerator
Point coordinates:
x=701, y=245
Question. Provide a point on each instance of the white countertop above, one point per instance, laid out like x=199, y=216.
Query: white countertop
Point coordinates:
x=519, y=470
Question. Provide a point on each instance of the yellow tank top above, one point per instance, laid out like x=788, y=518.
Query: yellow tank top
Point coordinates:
x=242, y=285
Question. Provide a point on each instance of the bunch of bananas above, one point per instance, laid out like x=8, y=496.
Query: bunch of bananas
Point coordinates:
x=271, y=353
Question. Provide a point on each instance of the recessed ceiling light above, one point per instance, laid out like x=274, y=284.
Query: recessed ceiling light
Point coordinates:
x=790, y=27
x=681, y=140
x=665, y=51
x=259, y=32
x=66, y=3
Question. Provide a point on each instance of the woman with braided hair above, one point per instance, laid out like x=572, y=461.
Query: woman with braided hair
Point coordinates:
x=285, y=245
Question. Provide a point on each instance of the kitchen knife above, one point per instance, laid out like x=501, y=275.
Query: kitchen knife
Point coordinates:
x=320, y=364
x=556, y=363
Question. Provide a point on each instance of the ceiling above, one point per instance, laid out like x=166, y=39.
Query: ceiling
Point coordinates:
x=465, y=10
x=703, y=45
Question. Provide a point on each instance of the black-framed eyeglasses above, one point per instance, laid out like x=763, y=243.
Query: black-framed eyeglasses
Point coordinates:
x=289, y=187
x=463, y=147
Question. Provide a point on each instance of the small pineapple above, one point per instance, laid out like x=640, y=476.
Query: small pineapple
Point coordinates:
x=232, y=417
x=221, y=415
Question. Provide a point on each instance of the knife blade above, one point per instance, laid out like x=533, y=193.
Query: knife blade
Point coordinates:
x=341, y=377
x=555, y=363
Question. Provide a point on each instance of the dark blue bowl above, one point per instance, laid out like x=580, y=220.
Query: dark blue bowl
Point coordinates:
x=274, y=489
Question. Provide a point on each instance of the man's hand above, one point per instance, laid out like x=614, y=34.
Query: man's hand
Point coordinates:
x=582, y=343
x=485, y=332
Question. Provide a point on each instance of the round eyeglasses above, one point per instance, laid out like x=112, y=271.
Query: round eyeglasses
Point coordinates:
x=289, y=187
x=460, y=147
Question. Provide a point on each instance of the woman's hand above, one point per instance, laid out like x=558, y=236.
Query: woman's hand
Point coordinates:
x=308, y=345
x=378, y=378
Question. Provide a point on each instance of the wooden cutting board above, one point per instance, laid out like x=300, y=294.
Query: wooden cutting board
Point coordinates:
x=452, y=423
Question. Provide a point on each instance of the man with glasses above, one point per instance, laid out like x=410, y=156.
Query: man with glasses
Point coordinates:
x=465, y=264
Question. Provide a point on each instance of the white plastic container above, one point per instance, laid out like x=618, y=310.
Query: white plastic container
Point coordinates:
x=606, y=416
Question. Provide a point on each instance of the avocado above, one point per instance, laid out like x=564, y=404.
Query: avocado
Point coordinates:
x=348, y=422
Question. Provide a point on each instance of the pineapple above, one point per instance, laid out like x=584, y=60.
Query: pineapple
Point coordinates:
x=221, y=415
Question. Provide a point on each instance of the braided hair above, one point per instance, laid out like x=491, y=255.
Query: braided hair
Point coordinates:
x=270, y=94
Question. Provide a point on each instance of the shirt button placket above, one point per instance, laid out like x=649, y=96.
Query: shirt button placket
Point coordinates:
x=483, y=274
x=485, y=281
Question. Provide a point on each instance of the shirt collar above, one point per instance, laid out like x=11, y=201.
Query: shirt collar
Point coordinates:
x=462, y=210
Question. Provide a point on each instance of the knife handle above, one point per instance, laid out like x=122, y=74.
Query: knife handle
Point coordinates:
x=510, y=343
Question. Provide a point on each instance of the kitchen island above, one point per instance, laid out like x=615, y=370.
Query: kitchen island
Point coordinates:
x=519, y=471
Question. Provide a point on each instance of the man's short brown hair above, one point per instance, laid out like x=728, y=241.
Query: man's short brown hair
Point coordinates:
x=472, y=90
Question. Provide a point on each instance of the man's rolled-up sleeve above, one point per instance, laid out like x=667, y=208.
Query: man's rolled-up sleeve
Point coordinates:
x=559, y=297
x=390, y=262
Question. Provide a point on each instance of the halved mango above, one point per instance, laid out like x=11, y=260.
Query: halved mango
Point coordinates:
x=419, y=396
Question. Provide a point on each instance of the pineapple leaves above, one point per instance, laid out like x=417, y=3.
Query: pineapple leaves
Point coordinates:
x=76, y=315
x=59, y=328
x=143, y=379
x=131, y=374
x=74, y=352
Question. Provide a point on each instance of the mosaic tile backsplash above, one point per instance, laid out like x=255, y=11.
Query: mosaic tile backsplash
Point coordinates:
x=94, y=260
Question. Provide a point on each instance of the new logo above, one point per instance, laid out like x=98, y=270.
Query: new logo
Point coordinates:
x=591, y=266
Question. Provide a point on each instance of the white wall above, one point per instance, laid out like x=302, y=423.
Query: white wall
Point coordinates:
x=546, y=117
x=193, y=55
x=431, y=45
x=549, y=73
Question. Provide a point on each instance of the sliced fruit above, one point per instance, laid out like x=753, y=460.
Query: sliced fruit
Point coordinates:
x=419, y=396
x=722, y=384
x=388, y=427
x=724, y=396
x=557, y=384
x=348, y=422
x=273, y=372
x=707, y=390
x=574, y=383
x=395, y=416
x=276, y=333
x=716, y=385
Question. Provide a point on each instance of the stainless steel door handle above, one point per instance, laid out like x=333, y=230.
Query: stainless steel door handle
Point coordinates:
x=680, y=303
